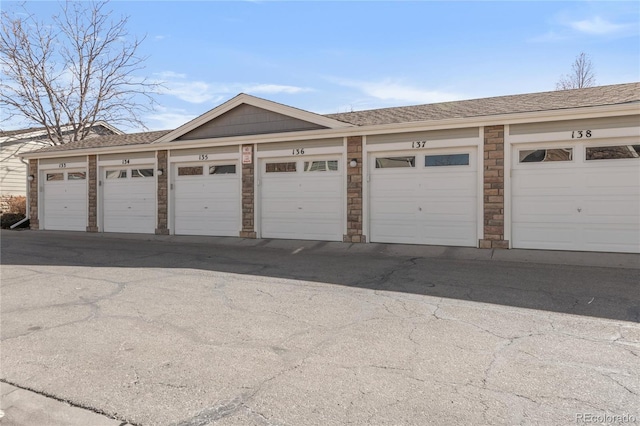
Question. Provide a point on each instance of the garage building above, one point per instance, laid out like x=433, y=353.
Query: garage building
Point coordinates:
x=556, y=170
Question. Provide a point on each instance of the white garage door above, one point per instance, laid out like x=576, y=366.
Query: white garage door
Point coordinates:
x=65, y=200
x=426, y=198
x=302, y=199
x=207, y=199
x=129, y=199
x=577, y=197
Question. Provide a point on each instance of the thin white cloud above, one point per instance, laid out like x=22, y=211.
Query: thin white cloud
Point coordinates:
x=170, y=74
x=198, y=92
x=176, y=84
x=168, y=118
x=594, y=26
x=395, y=90
x=549, y=37
x=274, y=89
x=597, y=26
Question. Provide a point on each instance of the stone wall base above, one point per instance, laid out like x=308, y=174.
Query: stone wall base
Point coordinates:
x=92, y=229
x=354, y=238
x=248, y=234
x=162, y=231
x=491, y=244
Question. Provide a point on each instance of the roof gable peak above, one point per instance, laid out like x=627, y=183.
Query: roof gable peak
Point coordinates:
x=298, y=119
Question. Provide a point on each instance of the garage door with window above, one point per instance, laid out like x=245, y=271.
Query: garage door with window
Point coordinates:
x=423, y=198
x=129, y=199
x=65, y=200
x=207, y=198
x=577, y=196
x=302, y=198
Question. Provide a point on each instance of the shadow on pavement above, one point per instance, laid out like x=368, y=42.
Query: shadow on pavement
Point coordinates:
x=612, y=293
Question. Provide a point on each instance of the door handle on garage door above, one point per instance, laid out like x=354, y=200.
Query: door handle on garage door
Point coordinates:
x=579, y=209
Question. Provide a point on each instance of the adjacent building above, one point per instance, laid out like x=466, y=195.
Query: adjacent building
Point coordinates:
x=14, y=143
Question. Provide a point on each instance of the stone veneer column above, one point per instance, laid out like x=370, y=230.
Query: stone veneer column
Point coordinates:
x=33, y=195
x=354, y=192
x=163, y=194
x=248, y=197
x=92, y=219
x=494, y=188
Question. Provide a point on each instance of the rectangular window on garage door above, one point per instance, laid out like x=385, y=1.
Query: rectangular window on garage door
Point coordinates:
x=141, y=173
x=225, y=169
x=321, y=166
x=286, y=167
x=116, y=174
x=190, y=171
x=76, y=175
x=446, y=160
x=613, y=152
x=545, y=155
x=395, y=162
x=55, y=176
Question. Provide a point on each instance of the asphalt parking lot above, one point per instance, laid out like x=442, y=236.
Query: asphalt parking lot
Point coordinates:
x=155, y=330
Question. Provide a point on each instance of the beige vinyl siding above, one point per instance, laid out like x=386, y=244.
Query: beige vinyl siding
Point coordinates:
x=470, y=132
x=13, y=172
x=50, y=161
x=128, y=156
x=248, y=120
x=318, y=143
x=570, y=125
x=231, y=149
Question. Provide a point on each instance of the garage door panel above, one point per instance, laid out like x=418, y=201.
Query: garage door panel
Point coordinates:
x=625, y=210
x=65, y=204
x=544, y=183
x=442, y=207
x=438, y=183
x=129, y=203
x=546, y=209
x=424, y=205
x=301, y=204
x=207, y=204
x=442, y=232
x=607, y=182
x=545, y=236
x=395, y=232
x=389, y=211
x=603, y=237
x=586, y=205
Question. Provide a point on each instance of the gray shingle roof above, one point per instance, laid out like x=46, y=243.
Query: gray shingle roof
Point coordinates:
x=532, y=102
x=111, y=140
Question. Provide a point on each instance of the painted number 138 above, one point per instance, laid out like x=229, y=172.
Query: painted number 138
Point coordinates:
x=579, y=134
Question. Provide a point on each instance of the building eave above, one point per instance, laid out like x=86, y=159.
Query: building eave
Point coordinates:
x=415, y=126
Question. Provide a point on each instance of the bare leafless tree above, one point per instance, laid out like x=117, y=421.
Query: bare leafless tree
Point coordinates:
x=77, y=69
x=582, y=74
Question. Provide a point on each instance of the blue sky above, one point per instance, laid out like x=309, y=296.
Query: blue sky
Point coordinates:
x=331, y=57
